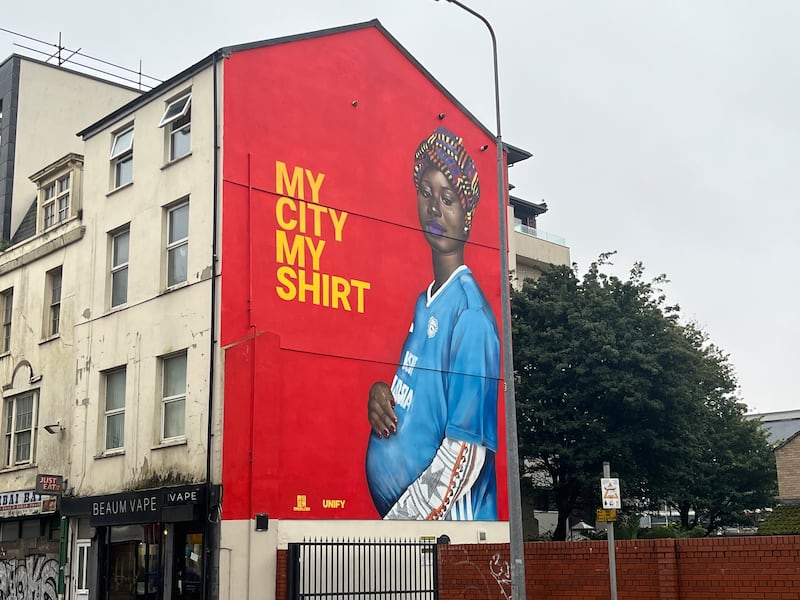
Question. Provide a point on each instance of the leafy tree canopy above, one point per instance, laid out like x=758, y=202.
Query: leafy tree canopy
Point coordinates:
x=607, y=372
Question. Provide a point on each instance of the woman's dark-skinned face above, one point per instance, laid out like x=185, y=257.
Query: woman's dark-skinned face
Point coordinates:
x=441, y=215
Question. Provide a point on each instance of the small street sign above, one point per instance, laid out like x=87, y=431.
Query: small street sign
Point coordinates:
x=609, y=492
x=606, y=515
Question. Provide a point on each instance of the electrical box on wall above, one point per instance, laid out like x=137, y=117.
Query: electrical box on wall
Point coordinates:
x=262, y=522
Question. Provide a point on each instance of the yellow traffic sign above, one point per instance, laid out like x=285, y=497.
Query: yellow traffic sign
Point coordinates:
x=606, y=515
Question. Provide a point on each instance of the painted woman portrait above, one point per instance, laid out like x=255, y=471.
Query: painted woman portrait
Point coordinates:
x=431, y=452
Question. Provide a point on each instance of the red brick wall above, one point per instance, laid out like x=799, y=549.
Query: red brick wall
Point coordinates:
x=687, y=569
x=280, y=575
x=745, y=568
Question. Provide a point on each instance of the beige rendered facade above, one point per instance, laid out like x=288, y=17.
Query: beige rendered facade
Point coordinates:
x=156, y=318
x=144, y=343
x=47, y=105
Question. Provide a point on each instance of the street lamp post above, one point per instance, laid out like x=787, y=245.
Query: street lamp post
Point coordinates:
x=512, y=455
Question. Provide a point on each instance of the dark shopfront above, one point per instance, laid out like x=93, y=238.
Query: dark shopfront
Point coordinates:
x=145, y=545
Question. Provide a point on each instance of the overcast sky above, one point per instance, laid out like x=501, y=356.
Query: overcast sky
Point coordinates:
x=668, y=131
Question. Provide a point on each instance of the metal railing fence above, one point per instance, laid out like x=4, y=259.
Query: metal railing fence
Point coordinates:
x=362, y=569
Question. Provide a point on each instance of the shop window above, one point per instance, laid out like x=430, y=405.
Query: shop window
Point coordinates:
x=135, y=560
x=31, y=528
x=9, y=531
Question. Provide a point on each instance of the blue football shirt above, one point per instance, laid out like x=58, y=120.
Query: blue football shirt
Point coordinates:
x=446, y=385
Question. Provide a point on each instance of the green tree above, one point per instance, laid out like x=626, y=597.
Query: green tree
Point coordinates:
x=606, y=372
x=729, y=469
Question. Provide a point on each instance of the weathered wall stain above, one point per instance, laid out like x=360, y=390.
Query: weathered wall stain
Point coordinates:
x=29, y=578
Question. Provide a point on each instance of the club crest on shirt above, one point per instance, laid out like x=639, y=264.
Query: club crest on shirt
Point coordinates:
x=433, y=326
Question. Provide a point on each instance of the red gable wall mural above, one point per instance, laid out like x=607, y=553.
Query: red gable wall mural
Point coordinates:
x=351, y=182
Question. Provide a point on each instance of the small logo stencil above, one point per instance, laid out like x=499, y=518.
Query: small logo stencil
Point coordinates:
x=433, y=327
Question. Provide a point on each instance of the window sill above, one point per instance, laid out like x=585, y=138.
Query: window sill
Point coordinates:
x=167, y=165
x=116, y=189
x=18, y=468
x=174, y=288
x=116, y=308
x=55, y=336
x=49, y=228
x=110, y=453
x=170, y=444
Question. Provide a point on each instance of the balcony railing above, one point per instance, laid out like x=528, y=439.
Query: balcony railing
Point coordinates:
x=538, y=233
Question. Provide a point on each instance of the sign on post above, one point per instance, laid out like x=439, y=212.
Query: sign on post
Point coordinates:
x=606, y=515
x=609, y=492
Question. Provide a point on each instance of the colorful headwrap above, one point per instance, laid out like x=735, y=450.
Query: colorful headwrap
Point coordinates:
x=445, y=151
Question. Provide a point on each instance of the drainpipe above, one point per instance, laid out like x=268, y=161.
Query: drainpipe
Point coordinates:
x=63, y=542
x=207, y=525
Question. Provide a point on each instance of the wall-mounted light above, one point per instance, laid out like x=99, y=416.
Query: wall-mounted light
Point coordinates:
x=442, y=116
x=54, y=428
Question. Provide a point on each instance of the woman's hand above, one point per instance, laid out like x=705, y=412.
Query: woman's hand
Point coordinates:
x=380, y=410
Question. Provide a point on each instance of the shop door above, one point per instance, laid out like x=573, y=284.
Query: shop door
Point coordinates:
x=188, y=581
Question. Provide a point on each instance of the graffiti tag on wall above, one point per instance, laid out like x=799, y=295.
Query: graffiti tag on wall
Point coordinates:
x=501, y=571
x=30, y=578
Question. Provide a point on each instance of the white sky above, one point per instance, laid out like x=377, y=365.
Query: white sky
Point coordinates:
x=668, y=130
